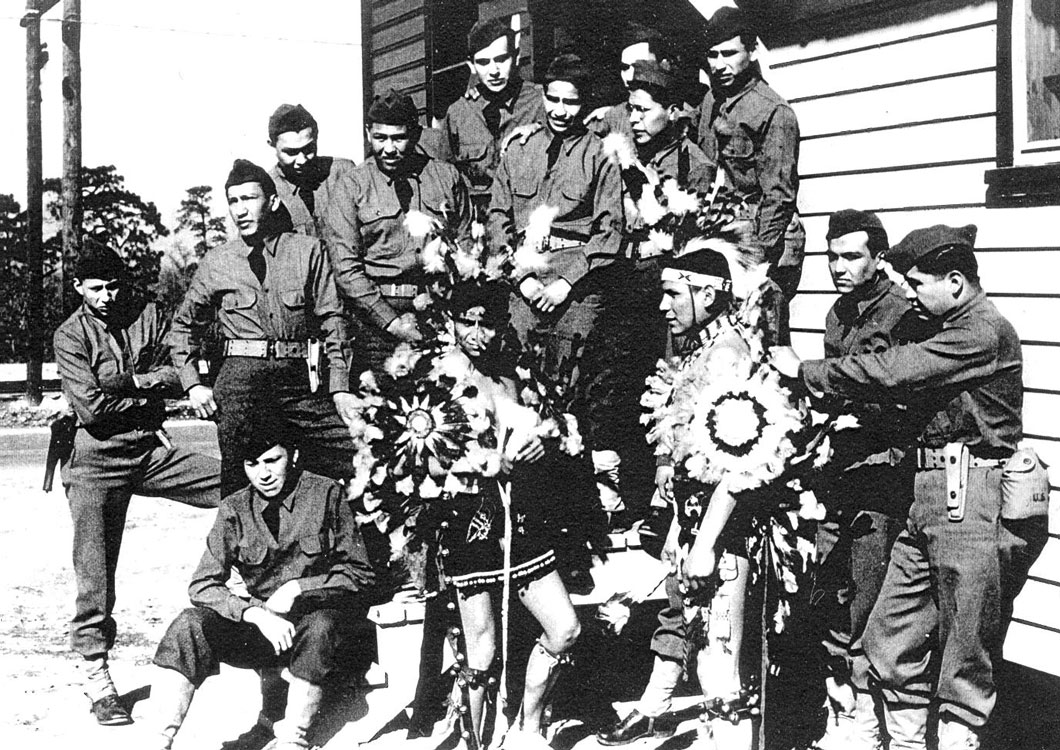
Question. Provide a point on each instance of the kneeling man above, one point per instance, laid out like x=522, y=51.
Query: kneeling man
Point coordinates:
x=292, y=537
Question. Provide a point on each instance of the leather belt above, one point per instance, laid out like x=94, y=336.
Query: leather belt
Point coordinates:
x=398, y=290
x=555, y=242
x=935, y=458
x=266, y=349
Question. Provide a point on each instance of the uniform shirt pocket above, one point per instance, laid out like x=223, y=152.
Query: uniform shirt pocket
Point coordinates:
x=252, y=553
x=240, y=299
x=293, y=299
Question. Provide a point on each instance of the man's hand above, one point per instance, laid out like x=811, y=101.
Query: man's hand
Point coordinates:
x=785, y=360
x=522, y=133
x=277, y=631
x=346, y=406
x=531, y=289
x=404, y=327
x=283, y=598
x=553, y=295
x=202, y=402
x=672, y=551
x=699, y=565
x=597, y=115
x=664, y=482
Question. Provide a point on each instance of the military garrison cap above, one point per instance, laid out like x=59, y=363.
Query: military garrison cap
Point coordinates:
x=485, y=33
x=727, y=23
x=393, y=108
x=244, y=171
x=290, y=118
x=653, y=74
x=97, y=261
x=922, y=242
x=638, y=33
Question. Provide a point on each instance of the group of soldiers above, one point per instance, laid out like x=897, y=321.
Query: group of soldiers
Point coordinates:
x=921, y=553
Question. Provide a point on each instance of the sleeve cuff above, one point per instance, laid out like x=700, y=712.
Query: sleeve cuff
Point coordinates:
x=571, y=265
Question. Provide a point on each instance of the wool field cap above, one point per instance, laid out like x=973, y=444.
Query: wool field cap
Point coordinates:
x=393, y=108
x=727, y=23
x=850, y=220
x=638, y=33
x=97, y=261
x=290, y=118
x=921, y=242
x=244, y=171
x=653, y=74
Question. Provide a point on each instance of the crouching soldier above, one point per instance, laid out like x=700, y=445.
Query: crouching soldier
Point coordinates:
x=111, y=358
x=291, y=536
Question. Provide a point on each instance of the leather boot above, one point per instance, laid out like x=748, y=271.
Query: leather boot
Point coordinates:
x=865, y=729
x=953, y=735
x=303, y=703
x=907, y=726
x=171, y=694
x=99, y=688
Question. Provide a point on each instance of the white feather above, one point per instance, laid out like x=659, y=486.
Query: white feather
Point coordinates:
x=618, y=148
x=419, y=224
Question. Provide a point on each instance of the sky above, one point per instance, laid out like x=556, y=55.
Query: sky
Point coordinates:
x=173, y=92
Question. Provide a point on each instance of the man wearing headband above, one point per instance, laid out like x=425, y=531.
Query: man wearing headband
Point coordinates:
x=870, y=475
x=696, y=300
x=273, y=296
x=753, y=134
x=477, y=123
x=970, y=536
x=315, y=189
x=396, y=181
x=111, y=358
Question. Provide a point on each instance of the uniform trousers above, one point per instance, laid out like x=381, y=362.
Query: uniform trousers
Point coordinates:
x=939, y=623
x=246, y=386
x=100, y=478
x=199, y=640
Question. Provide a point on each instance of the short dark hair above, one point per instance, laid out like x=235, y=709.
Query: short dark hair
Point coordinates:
x=264, y=432
x=485, y=33
x=393, y=108
x=666, y=97
x=494, y=296
x=941, y=261
x=572, y=69
x=290, y=118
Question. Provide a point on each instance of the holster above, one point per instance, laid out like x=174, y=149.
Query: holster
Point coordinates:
x=60, y=446
x=957, y=458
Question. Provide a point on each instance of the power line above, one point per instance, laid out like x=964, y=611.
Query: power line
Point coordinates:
x=195, y=32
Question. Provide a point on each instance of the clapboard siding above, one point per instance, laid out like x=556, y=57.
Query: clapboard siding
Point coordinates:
x=899, y=117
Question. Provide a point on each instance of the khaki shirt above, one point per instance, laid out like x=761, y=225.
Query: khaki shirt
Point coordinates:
x=584, y=185
x=297, y=301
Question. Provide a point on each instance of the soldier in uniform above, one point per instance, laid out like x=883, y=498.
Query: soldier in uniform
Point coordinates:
x=872, y=480
x=561, y=167
x=314, y=189
x=274, y=297
x=116, y=375
x=963, y=556
x=292, y=537
x=384, y=272
x=478, y=123
x=638, y=43
x=754, y=136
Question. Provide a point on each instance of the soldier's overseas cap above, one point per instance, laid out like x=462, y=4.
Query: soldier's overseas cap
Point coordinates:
x=638, y=33
x=921, y=242
x=290, y=118
x=97, y=261
x=850, y=220
x=727, y=23
x=485, y=33
x=244, y=171
x=572, y=69
x=393, y=108
x=653, y=74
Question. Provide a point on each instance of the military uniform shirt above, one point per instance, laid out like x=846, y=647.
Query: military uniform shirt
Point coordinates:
x=584, y=185
x=972, y=368
x=297, y=298
x=385, y=250
x=317, y=544
x=97, y=370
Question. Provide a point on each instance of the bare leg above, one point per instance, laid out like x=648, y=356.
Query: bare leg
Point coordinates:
x=548, y=601
x=476, y=616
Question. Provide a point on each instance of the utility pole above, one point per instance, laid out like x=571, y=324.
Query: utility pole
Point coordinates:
x=73, y=211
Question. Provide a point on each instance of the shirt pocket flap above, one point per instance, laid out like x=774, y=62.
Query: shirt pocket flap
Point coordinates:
x=525, y=186
x=240, y=299
x=737, y=146
x=472, y=150
x=293, y=298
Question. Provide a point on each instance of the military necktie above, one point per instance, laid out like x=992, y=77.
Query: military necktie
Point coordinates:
x=306, y=194
x=256, y=259
x=492, y=114
x=271, y=516
x=553, y=152
x=403, y=190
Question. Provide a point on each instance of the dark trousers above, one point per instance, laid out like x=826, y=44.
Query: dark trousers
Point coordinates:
x=200, y=640
x=669, y=641
x=946, y=598
x=246, y=386
x=100, y=478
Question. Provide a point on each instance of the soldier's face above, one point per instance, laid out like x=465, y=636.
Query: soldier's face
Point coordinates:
x=647, y=117
x=474, y=332
x=391, y=145
x=248, y=205
x=728, y=60
x=630, y=55
x=850, y=262
x=294, y=151
x=268, y=472
x=931, y=294
x=493, y=65
x=563, y=105
x=685, y=307
x=98, y=294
